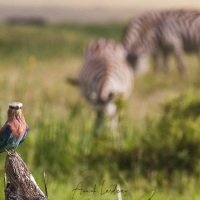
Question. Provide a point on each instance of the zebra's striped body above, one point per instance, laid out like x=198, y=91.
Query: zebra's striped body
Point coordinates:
x=105, y=76
x=160, y=32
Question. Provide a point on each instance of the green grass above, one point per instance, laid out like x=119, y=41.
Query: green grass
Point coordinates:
x=50, y=42
x=158, y=148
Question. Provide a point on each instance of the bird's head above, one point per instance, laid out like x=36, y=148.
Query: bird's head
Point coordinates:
x=15, y=109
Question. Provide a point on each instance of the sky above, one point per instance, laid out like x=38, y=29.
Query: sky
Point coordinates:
x=103, y=3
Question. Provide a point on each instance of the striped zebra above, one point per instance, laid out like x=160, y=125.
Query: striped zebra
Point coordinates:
x=157, y=33
x=105, y=78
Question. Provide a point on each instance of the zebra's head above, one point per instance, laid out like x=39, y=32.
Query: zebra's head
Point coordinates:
x=138, y=62
x=135, y=51
x=132, y=60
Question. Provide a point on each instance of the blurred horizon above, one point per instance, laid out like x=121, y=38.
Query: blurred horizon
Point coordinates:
x=85, y=10
x=102, y=3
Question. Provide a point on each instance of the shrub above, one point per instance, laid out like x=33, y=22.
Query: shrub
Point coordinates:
x=171, y=144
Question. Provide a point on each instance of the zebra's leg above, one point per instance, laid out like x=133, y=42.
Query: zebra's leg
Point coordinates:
x=197, y=73
x=179, y=56
x=99, y=119
x=155, y=59
x=198, y=57
x=114, y=125
x=142, y=65
x=160, y=61
x=165, y=62
x=112, y=117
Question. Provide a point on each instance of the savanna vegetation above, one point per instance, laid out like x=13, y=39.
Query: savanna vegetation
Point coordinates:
x=159, y=145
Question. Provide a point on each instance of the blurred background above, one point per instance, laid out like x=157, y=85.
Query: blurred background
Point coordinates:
x=84, y=10
x=41, y=44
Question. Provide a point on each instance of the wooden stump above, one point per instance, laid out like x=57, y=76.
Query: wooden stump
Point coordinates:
x=22, y=185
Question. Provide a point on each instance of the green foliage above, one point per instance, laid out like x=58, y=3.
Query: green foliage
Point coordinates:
x=50, y=42
x=167, y=146
x=171, y=144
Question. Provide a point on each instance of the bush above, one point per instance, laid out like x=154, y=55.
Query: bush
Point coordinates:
x=172, y=143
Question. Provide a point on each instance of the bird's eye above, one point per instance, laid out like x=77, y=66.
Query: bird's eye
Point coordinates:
x=15, y=105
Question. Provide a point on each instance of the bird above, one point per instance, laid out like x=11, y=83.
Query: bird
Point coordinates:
x=15, y=129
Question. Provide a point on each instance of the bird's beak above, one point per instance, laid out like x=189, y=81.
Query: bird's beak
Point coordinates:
x=16, y=112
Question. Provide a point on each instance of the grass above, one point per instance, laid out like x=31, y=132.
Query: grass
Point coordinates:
x=34, y=64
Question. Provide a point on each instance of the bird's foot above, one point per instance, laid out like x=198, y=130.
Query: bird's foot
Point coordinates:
x=12, y=151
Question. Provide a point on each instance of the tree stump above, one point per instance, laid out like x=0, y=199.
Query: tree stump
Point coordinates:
x=22, y=185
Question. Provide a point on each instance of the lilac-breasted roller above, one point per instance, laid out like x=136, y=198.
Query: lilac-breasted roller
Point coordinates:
x=15, y=130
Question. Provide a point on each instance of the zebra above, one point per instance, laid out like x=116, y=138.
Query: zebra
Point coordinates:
x=105, y=79
x=160, y=32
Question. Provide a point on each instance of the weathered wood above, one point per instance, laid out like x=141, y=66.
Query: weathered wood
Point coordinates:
x=22, y=185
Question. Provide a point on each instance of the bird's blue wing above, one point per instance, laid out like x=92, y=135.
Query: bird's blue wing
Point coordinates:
x=25, y=134
x=4, y=136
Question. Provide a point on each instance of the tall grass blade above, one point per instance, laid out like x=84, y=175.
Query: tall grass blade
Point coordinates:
x=45, y=184
x=152, y=194
x=5, y=181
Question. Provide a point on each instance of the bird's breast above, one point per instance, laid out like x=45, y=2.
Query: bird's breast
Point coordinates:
x=18, y=132
x=17, y=128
